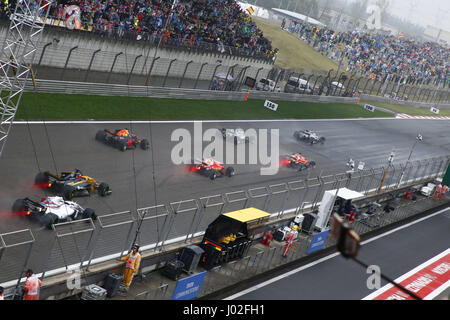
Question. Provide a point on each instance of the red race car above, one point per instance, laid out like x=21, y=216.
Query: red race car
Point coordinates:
x=297, y=161
x=212, y=169
x=121, y=139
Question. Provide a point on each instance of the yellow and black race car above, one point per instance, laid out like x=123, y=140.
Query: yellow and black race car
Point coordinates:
x=71, y=184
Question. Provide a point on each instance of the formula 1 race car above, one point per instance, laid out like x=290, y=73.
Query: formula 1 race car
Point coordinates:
x=212, y=169
x=71, y=184
x=297, y=161
x=308, y=136
x=121, y=139
x=238, y=135
x=51, y=210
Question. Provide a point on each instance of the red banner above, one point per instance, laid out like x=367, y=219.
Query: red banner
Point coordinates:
x=422, y=281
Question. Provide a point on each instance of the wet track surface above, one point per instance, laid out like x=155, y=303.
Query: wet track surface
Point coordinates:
x=343, y=279
x=143, y=178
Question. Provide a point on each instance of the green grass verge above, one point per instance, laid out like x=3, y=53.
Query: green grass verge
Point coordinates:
x=293, y=52
x=409, y=110
x=47, y=106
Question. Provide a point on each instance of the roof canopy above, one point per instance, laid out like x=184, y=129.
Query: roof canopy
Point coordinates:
x=299, y=16
x=247, y=215
x=346, y=194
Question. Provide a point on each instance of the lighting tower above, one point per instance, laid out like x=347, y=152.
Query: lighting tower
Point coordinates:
x=16, y=58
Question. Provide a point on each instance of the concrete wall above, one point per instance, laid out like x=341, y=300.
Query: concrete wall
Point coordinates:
x=184, y=93
x=136, y=53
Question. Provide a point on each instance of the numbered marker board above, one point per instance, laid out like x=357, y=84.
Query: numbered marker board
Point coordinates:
x=434, y=110
x=369, y=107
x=270, y=105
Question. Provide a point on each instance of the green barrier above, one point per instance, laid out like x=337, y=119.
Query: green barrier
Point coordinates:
x=446, y=180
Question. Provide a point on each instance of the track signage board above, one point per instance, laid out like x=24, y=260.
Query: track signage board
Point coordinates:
x=188, y=288
x=318, y=241
x=434, y=110
x=369, y=107
x=270, y=105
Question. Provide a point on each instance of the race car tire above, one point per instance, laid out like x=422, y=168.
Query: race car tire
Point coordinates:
x=68, y=192
x=41, y=179
x=312, y=164
x=295, y=165
x=212, y=174
x=322, y=140
x=19, y=206
x=247, y=139
x=301, y=167
x=122, y=146
x=296, y=135
x=50, y=219
x=235, y=140
x=229, y=172
x=103, y=189
x=89, y=213
x=201, y=170
x=100, y=135
x=145, y=144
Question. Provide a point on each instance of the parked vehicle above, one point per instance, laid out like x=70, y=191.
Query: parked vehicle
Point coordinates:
x=298, y=85
x=267, y=85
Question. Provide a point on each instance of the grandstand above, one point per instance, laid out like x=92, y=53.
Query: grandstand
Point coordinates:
x=190, y=24
x=379, y=56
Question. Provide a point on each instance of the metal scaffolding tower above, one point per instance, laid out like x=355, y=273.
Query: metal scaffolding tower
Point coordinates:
x=16, y=58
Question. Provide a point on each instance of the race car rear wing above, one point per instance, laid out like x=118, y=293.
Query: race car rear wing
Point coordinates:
x=48, y=173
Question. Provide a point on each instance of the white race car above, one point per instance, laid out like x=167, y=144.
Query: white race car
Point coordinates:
x=308, y=136
x=51, y=210
x=237, y=135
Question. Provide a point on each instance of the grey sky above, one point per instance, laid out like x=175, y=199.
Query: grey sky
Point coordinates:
x=422, y=12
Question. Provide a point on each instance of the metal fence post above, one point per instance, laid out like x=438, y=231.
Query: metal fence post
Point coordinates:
x=43, y=51
x=179, y=208
x=228, y=73
x=257, y=73
x=159, y=211
x=199, y=72
x=255, y=194
x=150, y=71
x=184, y=73
x=67, y=61
x=90, y=64
x=213, y=75
x=132, y=68
x=242, y=77
x=112, y=66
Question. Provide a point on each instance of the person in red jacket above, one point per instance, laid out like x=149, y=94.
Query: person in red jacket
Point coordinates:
x=32, y=285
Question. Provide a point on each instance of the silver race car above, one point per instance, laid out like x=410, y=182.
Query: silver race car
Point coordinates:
x=237, y=135
x=308, y=136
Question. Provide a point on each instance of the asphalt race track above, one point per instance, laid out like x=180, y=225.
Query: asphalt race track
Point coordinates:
x=143, y=178
x=340, y=279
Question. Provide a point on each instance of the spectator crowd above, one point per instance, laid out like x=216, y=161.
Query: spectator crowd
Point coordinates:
x=203, y=24
x=378, y=56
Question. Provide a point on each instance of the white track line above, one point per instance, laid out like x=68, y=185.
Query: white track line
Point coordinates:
x=410, y=273
x=192, y=121
x=287, y=274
